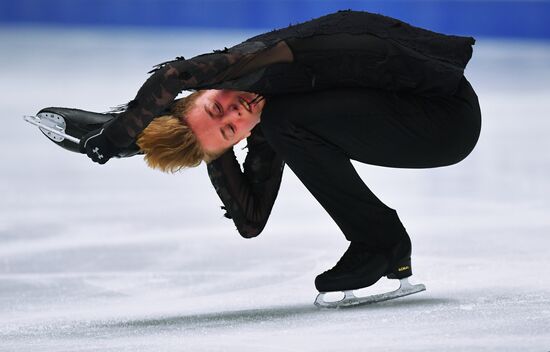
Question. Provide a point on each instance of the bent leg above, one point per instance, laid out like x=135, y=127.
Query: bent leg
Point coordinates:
x=328, y=174
x=331, y=178
x=318, y=133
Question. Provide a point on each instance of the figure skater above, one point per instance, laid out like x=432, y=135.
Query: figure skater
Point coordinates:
x=346, y=86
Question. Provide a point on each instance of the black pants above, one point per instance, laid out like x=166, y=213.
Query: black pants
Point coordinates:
x=318, y=133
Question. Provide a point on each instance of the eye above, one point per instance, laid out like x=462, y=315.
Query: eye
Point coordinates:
x=218, y=108
x=231, y=129
x=228, y=132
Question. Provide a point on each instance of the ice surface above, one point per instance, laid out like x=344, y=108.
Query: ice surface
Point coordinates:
x=123, y=258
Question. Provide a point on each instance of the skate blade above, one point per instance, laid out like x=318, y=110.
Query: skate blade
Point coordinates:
x=405, y=289
x=52, y=125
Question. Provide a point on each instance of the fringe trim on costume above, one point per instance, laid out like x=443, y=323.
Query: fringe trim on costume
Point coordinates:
x=121, y=108
x=162, y=64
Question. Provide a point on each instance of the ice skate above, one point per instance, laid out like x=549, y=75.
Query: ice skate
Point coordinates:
x=65, y=126
x=358, y=268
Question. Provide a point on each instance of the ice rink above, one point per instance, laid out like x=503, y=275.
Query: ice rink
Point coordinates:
x=124, y=258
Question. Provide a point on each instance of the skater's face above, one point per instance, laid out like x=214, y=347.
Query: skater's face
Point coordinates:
x=220, y=119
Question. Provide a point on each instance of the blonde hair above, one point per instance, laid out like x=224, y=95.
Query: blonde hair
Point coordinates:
x=169, y=144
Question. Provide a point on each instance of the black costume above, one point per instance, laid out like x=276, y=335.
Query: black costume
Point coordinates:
x=362, y=86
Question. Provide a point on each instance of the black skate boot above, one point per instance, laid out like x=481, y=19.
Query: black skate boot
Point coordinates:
x=357, y=268
x=74, y=124
x=400, y=260
x=361, y=267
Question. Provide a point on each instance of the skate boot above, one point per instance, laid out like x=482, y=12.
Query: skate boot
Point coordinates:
x=400, y=260
x=361, y=267
x=356, y=269
x=65, y=127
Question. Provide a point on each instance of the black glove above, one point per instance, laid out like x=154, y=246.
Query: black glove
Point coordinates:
x=98, y=147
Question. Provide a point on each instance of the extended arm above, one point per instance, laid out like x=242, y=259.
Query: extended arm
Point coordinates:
x=248, y=196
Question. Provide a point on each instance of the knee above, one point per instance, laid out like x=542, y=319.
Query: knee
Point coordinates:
x=471, y=131
x=458, y=148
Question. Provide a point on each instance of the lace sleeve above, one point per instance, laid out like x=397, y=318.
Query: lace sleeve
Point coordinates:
x=248, y=196
x=170, y=78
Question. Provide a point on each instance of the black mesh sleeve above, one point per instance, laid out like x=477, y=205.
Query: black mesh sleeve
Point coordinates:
x=170, y=78
x=248, y=196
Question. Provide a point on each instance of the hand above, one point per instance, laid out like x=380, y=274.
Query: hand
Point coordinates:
x=97, y=146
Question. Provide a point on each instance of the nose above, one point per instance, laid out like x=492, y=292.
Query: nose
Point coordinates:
x=233, y=112
x=236, y=108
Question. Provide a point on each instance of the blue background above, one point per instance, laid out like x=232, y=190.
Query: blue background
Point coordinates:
x=520, y=19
